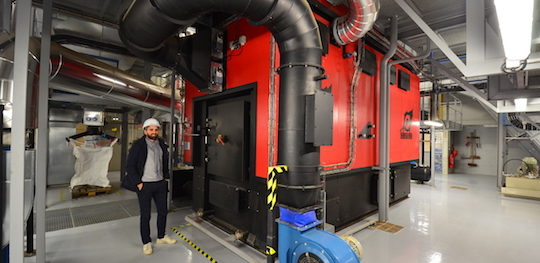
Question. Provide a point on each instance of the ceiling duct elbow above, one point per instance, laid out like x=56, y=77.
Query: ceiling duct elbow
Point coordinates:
x=355, y=24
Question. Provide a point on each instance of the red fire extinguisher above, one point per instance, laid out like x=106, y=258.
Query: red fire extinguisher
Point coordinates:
x=452, y=158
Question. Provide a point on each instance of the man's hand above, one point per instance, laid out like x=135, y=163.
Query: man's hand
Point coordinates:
x=139, y=186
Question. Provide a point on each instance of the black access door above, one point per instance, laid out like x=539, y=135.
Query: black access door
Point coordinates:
x=228, y=156
x=228, y=153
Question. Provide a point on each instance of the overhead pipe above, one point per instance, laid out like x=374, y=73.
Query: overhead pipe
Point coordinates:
x=384, y=131
x=80, y=41
x=126, y=82
x=76, y=88
x=402, y=51
x=148, y=28
x=424, y=55
x=357, y=22
x=66, y=63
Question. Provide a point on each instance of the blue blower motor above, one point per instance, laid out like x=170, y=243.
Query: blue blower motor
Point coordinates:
x=301, y=242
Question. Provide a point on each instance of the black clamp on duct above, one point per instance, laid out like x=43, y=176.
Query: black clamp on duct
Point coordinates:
x=290, y=65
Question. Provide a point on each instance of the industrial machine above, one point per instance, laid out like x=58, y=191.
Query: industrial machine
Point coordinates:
x=290, y=83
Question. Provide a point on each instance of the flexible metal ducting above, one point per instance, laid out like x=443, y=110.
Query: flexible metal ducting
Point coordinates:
x=360, y=19
x=148, y=29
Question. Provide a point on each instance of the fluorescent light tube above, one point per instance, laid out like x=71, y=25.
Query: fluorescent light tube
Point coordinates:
x=433, y=123
x=515, y=23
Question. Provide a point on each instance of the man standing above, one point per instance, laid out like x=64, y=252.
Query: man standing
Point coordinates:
x=148, y=175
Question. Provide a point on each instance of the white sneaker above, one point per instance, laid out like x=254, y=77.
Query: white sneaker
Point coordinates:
x=166, y=240
x=147, y=248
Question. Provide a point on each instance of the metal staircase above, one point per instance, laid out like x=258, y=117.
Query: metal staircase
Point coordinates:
x=528, y=136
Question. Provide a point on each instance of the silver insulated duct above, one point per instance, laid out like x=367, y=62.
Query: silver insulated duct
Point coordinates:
x=355, y=24
x=80, y=74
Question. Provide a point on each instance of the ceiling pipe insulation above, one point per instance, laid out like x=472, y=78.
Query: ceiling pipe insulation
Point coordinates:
x=92, y=74
x=358, y=21
x=148, y=28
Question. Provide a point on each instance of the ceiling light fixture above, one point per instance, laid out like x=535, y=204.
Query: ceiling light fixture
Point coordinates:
x=425, y=123
x=515, y=24
x=520, y=104
x=432, y=123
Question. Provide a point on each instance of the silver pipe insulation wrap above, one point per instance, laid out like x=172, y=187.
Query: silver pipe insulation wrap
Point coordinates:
x=360, y=19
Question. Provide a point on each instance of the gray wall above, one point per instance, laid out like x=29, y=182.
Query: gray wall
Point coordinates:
x=62, y=124
x=474, y=113
x=475, y=117
x=487, y=165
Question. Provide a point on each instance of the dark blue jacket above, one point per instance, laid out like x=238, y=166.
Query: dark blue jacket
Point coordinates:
x=136, y=161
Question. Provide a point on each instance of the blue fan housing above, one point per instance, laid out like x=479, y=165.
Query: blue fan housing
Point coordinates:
x=296, y=243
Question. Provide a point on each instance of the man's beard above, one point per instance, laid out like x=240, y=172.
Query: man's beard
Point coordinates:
x=152, y=137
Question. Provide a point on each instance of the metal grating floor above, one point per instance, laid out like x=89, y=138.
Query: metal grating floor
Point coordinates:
x=93, y=214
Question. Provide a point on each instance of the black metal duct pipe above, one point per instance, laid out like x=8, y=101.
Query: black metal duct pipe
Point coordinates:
x=147, y=27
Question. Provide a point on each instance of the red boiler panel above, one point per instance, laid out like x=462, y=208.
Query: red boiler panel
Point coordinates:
x=404, y=116
x=340, y=73
x=248, y=64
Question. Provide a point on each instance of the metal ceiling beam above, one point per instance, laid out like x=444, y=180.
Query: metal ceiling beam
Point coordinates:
x=475, y=31
x=469, y=88
x=502, y=107
x=23, y=12
x=439, y=41
x=440, y=26
x=493, y=66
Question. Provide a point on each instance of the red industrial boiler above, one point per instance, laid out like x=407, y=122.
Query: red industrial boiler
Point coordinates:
x=252, y=103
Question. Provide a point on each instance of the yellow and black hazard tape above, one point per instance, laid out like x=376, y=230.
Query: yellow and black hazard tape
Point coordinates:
x=270, y=250
x=271, y=184
x=199, y=249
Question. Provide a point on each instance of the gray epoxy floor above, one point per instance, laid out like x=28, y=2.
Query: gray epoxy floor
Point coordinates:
x=119, y=241
x=448, y=225
x=59, y=197
x=471, y=223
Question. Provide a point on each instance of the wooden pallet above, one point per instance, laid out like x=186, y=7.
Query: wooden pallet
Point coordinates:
x=89, y=190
